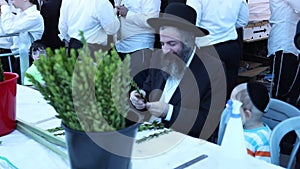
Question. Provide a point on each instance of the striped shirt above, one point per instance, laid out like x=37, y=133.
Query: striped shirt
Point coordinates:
x=257, y=142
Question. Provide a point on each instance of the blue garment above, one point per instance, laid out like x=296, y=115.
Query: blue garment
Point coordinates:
x=257, y=142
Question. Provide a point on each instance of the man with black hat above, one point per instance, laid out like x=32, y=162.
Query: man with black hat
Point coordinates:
x=255, y=99
x=185, y=89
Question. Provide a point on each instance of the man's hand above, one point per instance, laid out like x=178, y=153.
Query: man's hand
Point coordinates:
x=158, y=109
x=122, y=10
x=137, y=100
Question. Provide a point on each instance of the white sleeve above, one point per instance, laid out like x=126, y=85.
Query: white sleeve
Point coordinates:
x=295, y=4
x=12, y=23
x=107, y=18
x=147, y=9
x=62, y=23
x=243, y=17
x=169, y=113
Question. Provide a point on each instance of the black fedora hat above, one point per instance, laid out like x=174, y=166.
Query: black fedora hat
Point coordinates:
x=178, y=15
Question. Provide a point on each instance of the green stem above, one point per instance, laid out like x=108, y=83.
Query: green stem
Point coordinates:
x=46, y=135
x=42, y=141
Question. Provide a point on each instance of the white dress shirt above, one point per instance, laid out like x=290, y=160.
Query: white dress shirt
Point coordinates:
x=220, y=18
x=29, y=20
x=95, y=18
x=284, y=18
x=135, y=33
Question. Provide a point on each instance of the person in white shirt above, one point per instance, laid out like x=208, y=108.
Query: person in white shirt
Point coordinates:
x=96, y=19
x=285, y=14
x=136, y=37
x=222, y=18
x=26, y=20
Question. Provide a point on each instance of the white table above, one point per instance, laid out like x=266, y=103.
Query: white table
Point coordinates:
x=166, y=151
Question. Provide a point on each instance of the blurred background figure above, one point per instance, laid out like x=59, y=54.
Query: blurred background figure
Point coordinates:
x=37, y=49
x=136, y=37
x=21, y=17
x=222, y=18
x=50, y=10
x=281, y=48
x=96, y=19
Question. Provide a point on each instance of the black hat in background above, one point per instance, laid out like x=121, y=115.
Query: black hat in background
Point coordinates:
x=178, y=15
x=259, y=95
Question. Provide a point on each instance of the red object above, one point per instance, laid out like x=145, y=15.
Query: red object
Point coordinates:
x=8, y=91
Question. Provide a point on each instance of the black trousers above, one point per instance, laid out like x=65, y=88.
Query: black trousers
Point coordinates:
x=230, y=53
x=77, y=44
x=15, y=64
x=286, y=83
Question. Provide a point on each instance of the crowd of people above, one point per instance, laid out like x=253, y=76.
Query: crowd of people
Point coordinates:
x=184, y=60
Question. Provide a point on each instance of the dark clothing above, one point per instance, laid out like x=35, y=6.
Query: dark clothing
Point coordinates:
x=230, y=53
x=286, y=77
x=15, y=63
x=139, y=64
x=50, y=11
x=5, y=61
x=200, y=93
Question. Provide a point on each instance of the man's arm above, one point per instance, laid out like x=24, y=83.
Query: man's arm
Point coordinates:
x=295, y=4
x=243, y=17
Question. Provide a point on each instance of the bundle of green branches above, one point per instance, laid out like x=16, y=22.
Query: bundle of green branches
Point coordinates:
x=88, y=94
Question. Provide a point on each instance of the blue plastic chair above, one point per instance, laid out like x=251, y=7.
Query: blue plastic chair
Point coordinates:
x=279, y=111
x=279, y=131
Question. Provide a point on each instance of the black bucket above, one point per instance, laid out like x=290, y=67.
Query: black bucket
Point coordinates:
x=100, y=150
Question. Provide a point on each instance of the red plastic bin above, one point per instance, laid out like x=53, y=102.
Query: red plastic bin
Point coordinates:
x=8, y=91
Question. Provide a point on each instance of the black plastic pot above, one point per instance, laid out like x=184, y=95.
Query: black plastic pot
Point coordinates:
x=100, y=150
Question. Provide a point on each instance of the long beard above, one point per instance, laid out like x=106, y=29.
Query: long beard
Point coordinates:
x=173, y=66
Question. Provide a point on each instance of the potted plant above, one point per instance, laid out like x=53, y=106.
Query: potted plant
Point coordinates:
x=8, y=91
x=91, y=98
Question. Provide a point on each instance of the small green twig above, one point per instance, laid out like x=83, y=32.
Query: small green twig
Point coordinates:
x=151, y=136
x=135, y=86
x=151, y=126
x=55, y=129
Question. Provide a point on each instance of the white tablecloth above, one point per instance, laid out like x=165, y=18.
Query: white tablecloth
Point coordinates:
x=166, y=151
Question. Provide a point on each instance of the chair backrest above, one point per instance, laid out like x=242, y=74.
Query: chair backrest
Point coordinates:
x=279, y=111
x=23, y=51
x=278, y=117
x=279, y=131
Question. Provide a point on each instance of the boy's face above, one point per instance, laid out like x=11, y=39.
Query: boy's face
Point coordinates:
x=37, y=53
